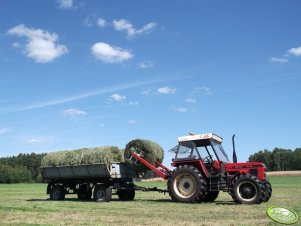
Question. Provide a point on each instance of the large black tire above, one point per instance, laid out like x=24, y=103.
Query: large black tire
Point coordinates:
x=102, y=193
x=57, y=192
x=267, y=190
x=247, y=189
x=84, y=192
x=126, y=194
x=186, y=184
x=210, y=196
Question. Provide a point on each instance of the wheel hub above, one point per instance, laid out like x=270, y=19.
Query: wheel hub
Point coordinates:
x=185, y=185
x=247, y=190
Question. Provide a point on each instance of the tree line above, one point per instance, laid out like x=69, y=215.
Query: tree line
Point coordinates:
x=279, y=159
x=21, y=168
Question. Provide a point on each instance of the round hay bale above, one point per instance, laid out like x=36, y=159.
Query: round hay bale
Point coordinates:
x=152, y=152
x=106, y=154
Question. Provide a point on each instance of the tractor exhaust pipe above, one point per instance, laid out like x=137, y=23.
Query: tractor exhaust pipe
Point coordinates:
x=234, y=152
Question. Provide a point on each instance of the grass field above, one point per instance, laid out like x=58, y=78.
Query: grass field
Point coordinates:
x=27, y=204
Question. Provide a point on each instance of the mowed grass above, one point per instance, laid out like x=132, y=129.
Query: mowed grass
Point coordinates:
x=28, y=204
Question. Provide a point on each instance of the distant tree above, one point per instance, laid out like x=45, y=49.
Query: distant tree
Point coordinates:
x=10, y=174
x=279, y=159
x=27, y=162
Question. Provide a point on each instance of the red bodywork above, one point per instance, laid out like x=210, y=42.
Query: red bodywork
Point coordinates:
x=255, y=168
x=235, y=169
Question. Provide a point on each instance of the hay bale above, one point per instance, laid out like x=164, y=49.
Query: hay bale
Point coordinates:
x=106, y=154
x=152, y=152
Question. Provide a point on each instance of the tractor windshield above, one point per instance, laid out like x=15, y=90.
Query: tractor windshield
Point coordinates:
x=219, y=150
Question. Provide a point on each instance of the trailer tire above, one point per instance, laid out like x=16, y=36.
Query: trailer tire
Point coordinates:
x=102, y=193
x=57, y=192
x=126, y=194
x=247, y=189
x=186, y=184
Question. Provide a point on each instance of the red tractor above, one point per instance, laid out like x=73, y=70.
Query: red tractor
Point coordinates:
x=202, y=170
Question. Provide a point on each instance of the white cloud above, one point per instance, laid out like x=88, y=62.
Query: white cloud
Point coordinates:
x=203, y=89
x=65, y=4
x=35, y=140
x=118, y=97
x=90, y=19
x=125, y=25
x=74, y=112
x=101, y=22
x=278, y=60
x=132, y=103
x=190, y=100
x=41, y=45
x=166, y=90
x=145, y=65
x=182, y=110
x=132, y=121
x=16, y=45
x=110, y=54
x=147, y=92
x=295, y=51
x=3, y=131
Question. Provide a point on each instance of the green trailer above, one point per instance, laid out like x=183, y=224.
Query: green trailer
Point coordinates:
x=101, y=180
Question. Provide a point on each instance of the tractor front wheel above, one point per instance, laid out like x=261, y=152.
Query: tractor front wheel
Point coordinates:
x=267, y=190
x=186, y=184
x=247, y=189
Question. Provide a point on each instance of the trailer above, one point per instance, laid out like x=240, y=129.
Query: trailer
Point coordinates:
x=101, y=180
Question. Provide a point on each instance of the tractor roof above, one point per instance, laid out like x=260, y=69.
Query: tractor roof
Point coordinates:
x=205, y=136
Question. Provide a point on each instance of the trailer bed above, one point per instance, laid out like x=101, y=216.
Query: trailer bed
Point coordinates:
x=101, y=170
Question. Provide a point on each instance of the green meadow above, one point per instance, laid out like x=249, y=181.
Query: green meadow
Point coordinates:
x=28, y=204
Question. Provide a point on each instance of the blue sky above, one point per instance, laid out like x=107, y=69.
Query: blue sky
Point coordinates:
x=80, y=73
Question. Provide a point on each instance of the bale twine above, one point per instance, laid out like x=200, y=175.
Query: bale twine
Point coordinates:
x=152, y=152
x=106, y=154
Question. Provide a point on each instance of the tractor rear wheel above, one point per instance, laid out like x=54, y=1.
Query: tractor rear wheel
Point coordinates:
x=210, y=196
x=102, y=193
x=267, y=190
x=187, y=184
x=247, y=189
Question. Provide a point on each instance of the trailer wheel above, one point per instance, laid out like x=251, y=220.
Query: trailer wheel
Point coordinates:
x=126, y=194
x=267, y=190
x=84, y=192
x=247, y=189
x=186, y=184
x=102, y=193
x=57, y=192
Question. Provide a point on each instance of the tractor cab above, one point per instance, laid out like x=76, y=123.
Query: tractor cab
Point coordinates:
x=206, y=148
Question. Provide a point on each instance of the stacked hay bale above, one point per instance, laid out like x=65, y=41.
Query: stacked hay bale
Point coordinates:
x=106, y=154
x=152, y=152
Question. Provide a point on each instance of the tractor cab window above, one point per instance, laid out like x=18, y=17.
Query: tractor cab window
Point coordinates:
x=186, y=151
x=219, y=150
